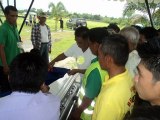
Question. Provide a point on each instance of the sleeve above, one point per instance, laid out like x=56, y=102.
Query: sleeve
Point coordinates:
x=93, y=84
x=3, y=36
x=49, y=37
x=70, y=51
x=33, y=36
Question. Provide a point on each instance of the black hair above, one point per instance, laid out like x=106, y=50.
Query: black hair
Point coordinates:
x=150, y=56
x=149, y=32
x=137, y=27
x=27, y=73
x=158, y=30
x=9, y=8
x=35, y=51
x=82, y=32
x=97, y=34
x=114, y=26
x=117, y=47
x=145, y=113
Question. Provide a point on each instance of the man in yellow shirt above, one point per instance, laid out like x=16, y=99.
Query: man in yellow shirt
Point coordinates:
x=115, y=98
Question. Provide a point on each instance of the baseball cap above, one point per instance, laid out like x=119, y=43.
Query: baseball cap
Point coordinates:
x=42, y=14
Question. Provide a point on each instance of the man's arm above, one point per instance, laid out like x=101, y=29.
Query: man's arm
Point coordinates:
x=74, y=71
x=85, y=104
x=58, y=58
x=78, y=111
x=33, y=36
x=49, y=37
x=3, y=59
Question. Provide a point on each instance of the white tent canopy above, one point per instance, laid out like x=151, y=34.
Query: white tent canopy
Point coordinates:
x=138, y=1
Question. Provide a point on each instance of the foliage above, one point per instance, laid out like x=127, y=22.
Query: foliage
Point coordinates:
x=57, y=11
x=156, y=17
x=39, y=10
x=132, y=8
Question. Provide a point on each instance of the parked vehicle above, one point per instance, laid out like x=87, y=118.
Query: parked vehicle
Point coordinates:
x=76, y=22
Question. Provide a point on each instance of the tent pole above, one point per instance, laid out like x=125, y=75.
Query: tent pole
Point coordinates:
x=1, y=21
x=149, y=13
x=14, y=3
x=1, y=6
x=7, y=2
x=26, y=16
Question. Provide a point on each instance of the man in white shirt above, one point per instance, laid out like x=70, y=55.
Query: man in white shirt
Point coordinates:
x=26, y=102
x=83, y=58
x=132, y=36
x=41, y=36
x=80, y=50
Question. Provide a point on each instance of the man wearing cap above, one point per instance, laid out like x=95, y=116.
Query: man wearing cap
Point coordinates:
x=41, y=36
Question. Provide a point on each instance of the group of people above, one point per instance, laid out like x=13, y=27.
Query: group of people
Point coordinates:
x=119, y=69
x=31, y=21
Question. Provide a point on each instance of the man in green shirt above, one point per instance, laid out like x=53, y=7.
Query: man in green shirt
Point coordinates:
x=9, y=39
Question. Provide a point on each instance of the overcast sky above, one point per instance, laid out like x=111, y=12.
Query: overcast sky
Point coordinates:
x=101, y=7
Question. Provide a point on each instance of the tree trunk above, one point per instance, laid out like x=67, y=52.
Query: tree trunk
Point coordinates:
x=56, y=23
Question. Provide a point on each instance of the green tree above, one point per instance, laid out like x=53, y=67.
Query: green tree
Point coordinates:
x=33, y=10
x=57, y=11
x=39, y=10
x=131, y=9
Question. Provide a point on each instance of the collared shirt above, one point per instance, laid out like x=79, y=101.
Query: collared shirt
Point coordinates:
x=9, y=37
x=115, y=98
x=27, y=106
x=36, y=36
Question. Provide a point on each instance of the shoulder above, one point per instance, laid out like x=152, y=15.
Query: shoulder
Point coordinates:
x=75, y=47
x=94, y=74
x=48, y=97
x=47, y=26
x=6, y=102
x=37, y=25
x=89, y=53
x=3, y=27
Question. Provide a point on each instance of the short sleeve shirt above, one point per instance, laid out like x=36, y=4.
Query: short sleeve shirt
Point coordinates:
x=113, y=102
x=8, y=38
x=83, y=59
x=94, y=83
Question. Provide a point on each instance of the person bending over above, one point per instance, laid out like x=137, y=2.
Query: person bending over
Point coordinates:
x=26, y=102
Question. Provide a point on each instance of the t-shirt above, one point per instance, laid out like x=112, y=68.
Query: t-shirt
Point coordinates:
x=9, y=38
x=133, y=61
x=115, y=98
x=27, y=106
x=94, y=83
x=44, y=34
x=83, y=59
x=91, y=86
